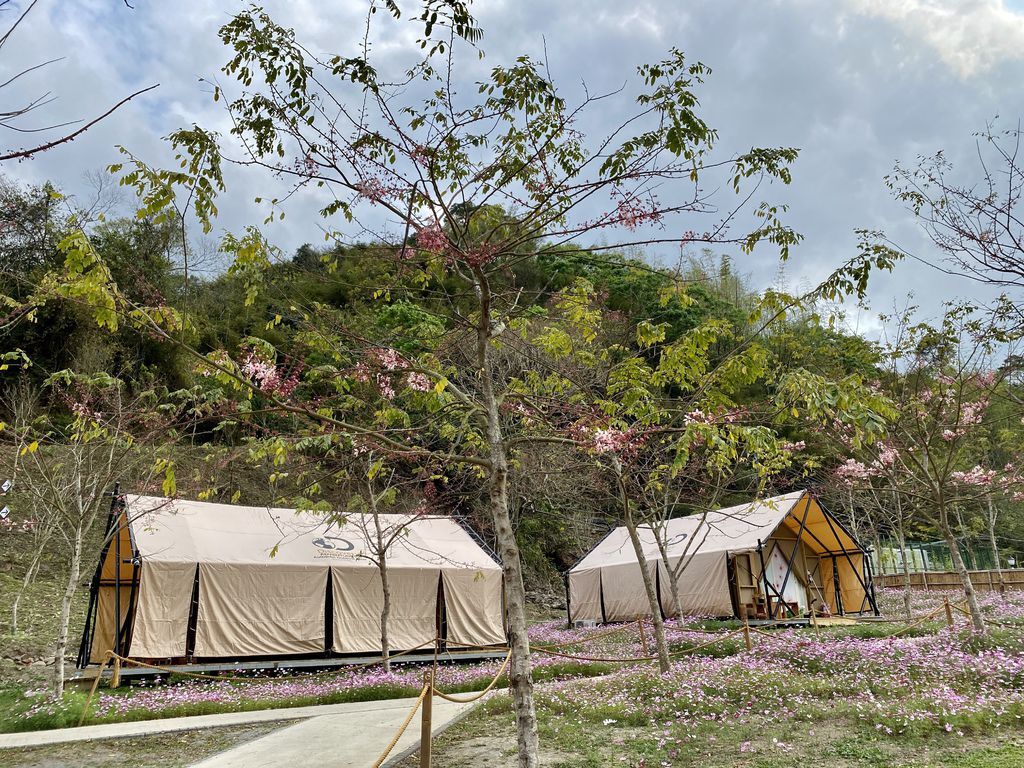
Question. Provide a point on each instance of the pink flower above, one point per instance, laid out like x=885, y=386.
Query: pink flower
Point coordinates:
x=855, y=470
x=978, y=476
x=418, y=382
x=631, y=212
x=432, y=239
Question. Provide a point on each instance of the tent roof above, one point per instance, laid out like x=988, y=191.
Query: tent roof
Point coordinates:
x=179, y=531
x=732, y=529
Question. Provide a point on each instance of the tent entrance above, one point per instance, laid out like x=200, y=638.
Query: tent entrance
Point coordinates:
x=113, y=591
x=786, y=582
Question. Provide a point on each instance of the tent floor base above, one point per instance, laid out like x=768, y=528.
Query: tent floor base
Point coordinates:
x=85, y=677
x=831, y=621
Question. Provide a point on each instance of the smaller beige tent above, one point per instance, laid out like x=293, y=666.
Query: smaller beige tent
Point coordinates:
x=776, y=557
x=190, y=580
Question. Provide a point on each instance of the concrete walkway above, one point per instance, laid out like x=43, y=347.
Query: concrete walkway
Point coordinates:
x=348, y=735
x=353, y=739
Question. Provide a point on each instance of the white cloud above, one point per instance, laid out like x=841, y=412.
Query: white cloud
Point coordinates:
x=855, y=85
x=970, y=36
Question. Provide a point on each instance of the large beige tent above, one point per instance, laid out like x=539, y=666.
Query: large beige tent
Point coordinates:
x=195, y=580
x=776, y=557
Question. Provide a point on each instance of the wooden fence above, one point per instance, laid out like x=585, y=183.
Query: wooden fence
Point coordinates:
x=1013, y=578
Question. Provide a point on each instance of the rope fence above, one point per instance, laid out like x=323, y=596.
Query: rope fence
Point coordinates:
x=401, y=730
x=988, y=621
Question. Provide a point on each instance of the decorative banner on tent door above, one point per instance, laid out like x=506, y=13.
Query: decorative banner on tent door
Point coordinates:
x=794, y=591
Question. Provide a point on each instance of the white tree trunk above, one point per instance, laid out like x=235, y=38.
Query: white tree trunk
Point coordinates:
x=26, y=582
x=74, y=573
x=652, y=593
x=385, y=612
x=993, y=514
x=664, y=664
x=901, y=541
x=958, y=565
x=520, y=669
x=520, y=672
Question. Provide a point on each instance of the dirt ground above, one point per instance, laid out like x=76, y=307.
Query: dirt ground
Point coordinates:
x=168, y=750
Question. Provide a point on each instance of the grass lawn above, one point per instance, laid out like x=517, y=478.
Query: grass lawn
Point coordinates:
x=486, y=740
x=851, y=696
x=842, y=697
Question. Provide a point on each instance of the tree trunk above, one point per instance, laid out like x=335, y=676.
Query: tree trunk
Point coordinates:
x=958, y=565
x=65, y=613
x=664, y=664
x=520, y=672
x=25, y=583
x=901, y=542
x=652, y=593
x=992, y=516
x=878, y=549
x=972, y=563
x=673, y=581
x=385, y=611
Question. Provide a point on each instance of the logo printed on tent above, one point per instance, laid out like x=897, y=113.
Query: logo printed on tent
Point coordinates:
x=333, y=543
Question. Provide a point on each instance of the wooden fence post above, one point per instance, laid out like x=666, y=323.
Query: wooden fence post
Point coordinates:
x=115, y=674
x=425, y=720
x=949, y=612
x=643, y=637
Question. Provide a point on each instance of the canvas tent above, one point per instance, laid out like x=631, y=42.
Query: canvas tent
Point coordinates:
x=774, y=558
x=189, y=580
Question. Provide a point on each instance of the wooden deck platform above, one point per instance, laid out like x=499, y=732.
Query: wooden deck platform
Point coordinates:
x=76, y=676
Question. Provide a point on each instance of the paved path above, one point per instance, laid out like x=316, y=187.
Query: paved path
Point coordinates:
x=353, y=739
x=348, y=735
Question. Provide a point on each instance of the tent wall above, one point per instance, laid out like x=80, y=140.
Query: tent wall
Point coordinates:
x=162, y=611
x=473, y=606
x=269, y=611
x=105, y=629
x=585, y=596
x=703, y=586
x=625, y=598
x=359, y=600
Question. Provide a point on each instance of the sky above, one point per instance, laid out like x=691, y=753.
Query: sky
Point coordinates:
x=856, y=85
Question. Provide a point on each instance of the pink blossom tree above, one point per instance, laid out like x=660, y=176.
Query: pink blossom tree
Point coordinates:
x=942, y=381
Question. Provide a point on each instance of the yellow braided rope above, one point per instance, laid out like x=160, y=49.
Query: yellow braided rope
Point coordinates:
x=401, y=730
x=481, y=694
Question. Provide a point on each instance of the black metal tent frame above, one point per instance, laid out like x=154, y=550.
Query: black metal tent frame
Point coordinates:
x=112, y=538
x=864, y=574
x=124, y=629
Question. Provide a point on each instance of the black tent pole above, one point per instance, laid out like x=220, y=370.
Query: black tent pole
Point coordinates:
x=568, y=605
x=846, y=554
x=88, y=632
x=837, y=587
x=764, y=578
x=869, y=595
x=128, y=630
x=117, y=573
x=600, y=584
